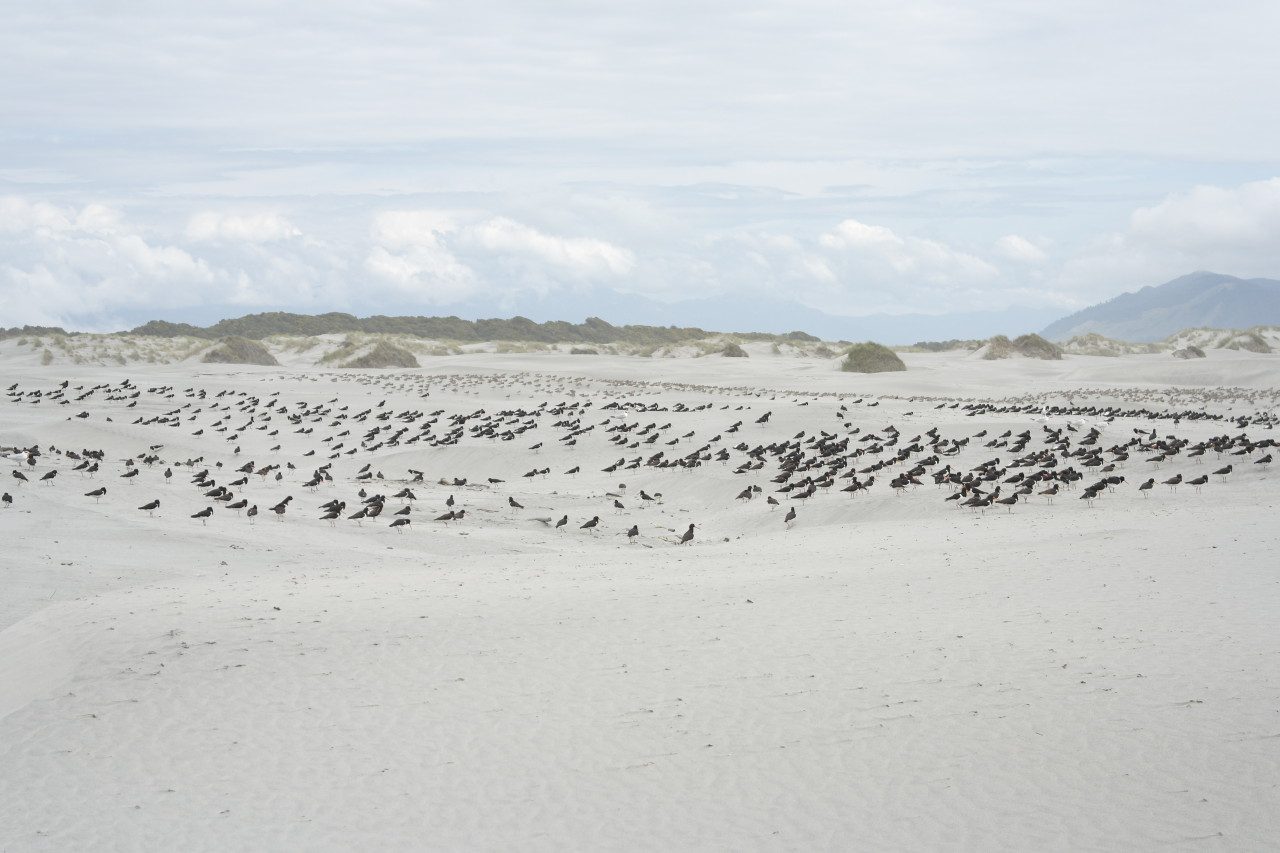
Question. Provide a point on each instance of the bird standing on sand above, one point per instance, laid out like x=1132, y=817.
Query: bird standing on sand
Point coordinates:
x=252, y=512
x=96, y=494
x=7, y=499
x=791, y=517
x=687, y=536
x=562, y=522
x=151, y=507
x=631, y=534
x=49, y=477
x=203, y=514
x=399, y=524
x=591, y=525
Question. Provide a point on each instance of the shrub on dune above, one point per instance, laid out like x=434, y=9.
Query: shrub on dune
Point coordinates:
x=871, y=357
x=234, y=349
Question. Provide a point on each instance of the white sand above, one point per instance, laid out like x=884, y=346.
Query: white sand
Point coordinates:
x=893, y=673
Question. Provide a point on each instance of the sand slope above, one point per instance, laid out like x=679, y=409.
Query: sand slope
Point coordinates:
x=892, y=673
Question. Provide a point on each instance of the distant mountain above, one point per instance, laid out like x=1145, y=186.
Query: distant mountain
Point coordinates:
x=1154, y=313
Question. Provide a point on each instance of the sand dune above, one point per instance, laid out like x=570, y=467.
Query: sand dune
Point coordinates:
x=890, y=672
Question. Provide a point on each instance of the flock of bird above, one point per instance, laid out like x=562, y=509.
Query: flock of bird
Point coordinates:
x=843, y=445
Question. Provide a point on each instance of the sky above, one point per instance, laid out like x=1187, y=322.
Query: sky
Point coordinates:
x=558, y=158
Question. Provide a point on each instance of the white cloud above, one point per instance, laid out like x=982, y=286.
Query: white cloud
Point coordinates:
x=877, y=248
x=1232, y=230
x=210, y=226
x=1020, y=249
x=578, y=256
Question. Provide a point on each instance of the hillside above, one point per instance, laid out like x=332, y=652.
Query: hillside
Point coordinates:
x=1202, y=299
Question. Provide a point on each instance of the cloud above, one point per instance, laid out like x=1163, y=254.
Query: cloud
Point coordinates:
x=1230, y=230
x=1015, y=248
x=211, y=226
x=581, y=257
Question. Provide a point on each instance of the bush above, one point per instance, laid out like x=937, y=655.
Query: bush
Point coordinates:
x=237, y=350
x=385, y=355
x=1027, y=346
x=583, y=351
x=732, y=350
x=1034, y=346
x=1189, y=352
x=870, y=357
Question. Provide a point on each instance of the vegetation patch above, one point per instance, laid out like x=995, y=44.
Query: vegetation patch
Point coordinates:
x=732, y=350
x=237, y=350
x=1191, y=351
x=871, y=357
x=1026, y=346
x=384, y=354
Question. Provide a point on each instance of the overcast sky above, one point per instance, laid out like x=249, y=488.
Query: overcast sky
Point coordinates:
x=193, y=159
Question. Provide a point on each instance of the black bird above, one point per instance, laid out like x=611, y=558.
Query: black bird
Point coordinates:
x=252, y=512
x=130, y=474
x=591, y=525
x=1147, y=486
x=280, y=508
x=96, y=493
x=631, y=534
x=1009, y=501
x=562, y=522
x=203, y=514
x=514, y=504
x=7, y=499
x=400, y=524
x=617, y=504
x=151, y=507
x=19, y=476
x=791, y=517
x=687, y=536
x=49, y=476
x=1223, y=472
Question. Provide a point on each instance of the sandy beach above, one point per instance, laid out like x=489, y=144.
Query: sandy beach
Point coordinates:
x=891, y=671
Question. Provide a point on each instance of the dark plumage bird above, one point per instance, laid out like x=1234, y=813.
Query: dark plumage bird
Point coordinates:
x=687, y=536
x=203, y=514
x=400, y=524
x=1009, y=501
x=19, y=476
x=591, y=525
x=1223, y=472
x=151, y=507
x=631, y=534
x=1147, y=486
x=280, y=508
x=129, y=475
x=252, y=512
x=1173, y=482
x=562, y=522
x=514, y=504
x=617, y=505
x=7, y=499
x=96, y=494
x=791, y=517
x=49, y=477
